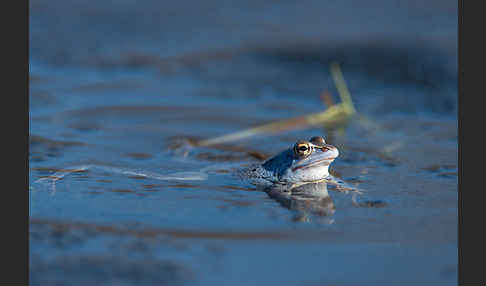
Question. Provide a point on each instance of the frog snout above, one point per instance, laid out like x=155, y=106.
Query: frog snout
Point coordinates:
x=332, y=150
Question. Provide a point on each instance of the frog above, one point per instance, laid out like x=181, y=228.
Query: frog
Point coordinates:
x=297, y=178
x=304, y=162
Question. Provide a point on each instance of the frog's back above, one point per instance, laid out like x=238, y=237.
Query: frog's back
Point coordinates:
x=257, y=175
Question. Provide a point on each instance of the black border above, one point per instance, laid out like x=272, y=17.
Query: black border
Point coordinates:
x=471, y=193
x=26, y=118
x=15, y=187
x=25, y=162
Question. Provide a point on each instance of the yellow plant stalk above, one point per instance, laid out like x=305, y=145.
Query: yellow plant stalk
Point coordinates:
x=331, y=115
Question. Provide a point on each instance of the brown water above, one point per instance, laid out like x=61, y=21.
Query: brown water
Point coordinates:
x=125, y=85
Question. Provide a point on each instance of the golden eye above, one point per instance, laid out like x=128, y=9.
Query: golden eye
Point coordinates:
x=302, y=149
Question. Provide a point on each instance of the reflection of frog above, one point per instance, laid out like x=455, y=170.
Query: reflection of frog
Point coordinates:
x=306, y=161
x=306, y=199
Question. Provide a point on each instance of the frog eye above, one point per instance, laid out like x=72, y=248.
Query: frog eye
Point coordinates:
x=302, y=148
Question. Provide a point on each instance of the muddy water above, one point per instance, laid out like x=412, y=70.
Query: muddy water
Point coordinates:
x=117, y=92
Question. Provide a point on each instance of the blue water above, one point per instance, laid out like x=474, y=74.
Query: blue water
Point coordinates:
x=126, y=86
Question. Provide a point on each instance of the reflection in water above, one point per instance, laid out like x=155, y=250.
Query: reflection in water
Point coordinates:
x=305, y=200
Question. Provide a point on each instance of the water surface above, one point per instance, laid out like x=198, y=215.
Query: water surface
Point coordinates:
x=126, y=86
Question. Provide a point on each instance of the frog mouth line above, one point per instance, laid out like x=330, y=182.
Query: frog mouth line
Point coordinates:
x=325, y=162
